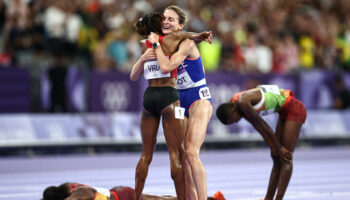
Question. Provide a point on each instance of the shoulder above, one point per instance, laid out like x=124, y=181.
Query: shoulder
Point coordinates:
x=188, y=44
x=249, y=95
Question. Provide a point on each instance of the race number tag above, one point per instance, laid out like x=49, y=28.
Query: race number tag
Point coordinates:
x=266, y=112
x=270, y=88
x=179, y=112
x=151, y=70
x=204, y=93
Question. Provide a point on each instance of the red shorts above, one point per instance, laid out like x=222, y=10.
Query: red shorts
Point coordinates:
x=124, y=193
x=293, y=110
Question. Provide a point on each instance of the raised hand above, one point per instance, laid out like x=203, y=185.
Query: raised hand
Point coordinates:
x=206, y=36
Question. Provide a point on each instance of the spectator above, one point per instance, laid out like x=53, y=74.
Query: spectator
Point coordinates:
x=342, y=99
x=2, y=15
x=211, y=54
x=318, y=33
x=307, y=48
x=6, y=56
x=257, y=56
x=58, y=94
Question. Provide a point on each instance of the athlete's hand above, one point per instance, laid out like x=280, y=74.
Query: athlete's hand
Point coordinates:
x=149, y=54
x=206, y=36
x=153, y=38
x=285, y=154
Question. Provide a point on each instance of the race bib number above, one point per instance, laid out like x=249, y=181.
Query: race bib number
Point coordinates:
x=179, y=112
x=204, y=93
x=266, y=112
x=152, y=70
x=270, y=88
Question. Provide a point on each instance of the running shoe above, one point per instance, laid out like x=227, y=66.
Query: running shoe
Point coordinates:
x=218, y=196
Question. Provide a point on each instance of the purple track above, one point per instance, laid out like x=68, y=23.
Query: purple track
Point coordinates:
x=319, y=173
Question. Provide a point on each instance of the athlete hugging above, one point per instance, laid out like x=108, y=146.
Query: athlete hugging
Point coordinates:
x=166, y=48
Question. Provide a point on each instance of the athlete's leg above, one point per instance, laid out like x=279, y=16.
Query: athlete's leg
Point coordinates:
x=274, y=176
x=199, y=116
x=174, y=131
x=154, y=197
x=191, y=191
x=289, y=140
x=149, y=129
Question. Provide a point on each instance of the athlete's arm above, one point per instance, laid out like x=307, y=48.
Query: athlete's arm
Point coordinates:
x=167, y=65
x=245, y=105
x=171, y=41
x=137, y=69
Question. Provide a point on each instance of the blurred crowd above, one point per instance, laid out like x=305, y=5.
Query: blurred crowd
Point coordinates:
x=250, y=36
x=52, y=37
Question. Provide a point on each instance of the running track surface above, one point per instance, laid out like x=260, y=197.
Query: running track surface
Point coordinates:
x=319, y=173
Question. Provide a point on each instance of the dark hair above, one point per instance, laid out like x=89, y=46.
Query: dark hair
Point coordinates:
x=56, y=193
x=224, y=111
x=149, y=23
x=179, y=11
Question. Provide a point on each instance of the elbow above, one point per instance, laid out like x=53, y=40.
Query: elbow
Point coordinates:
x=164, y=71
x=133, y=78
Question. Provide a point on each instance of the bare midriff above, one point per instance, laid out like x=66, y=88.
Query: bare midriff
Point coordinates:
x=162, y=82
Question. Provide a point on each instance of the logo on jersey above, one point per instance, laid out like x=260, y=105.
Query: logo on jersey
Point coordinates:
x=182, y=66
x=181, y=80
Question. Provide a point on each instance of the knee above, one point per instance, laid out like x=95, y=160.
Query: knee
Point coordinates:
x=287, y=165
x=191, y=155
x=142, y=167
x=146, y=159
x=280, y=163
x=175, y=165
x=175, y=171
x=277, y=161
x=175, y=158
x=175, y=161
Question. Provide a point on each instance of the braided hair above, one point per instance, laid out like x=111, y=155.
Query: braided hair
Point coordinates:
x=149, y=23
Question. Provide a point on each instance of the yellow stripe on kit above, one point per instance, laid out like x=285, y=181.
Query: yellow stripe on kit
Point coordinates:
x=100, y=196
